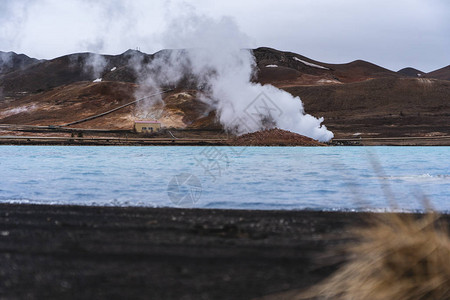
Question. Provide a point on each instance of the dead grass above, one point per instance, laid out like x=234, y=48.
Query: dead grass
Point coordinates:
x=398, y=257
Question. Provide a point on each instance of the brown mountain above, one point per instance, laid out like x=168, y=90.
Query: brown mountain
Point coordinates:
x=290, y=69
x=68, y=103
x=381, y=107
x=411, y=72
x=27, y=75
x=443, y=73
x=47, y=74
x=10, y=61
x=360, y=70
x=357, y=97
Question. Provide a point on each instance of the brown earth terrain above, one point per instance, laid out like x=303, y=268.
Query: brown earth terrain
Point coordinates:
x=443, y=73
x=274, y=137
x=381, y=107
x=411, y=72
x=357, y=99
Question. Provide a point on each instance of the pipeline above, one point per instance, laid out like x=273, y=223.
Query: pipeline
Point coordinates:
x=114, y=109
x=172, y=134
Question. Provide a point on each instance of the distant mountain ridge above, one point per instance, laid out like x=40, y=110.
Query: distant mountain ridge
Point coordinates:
x=356, y=97
x=411, y=72
x=443, y=73
x=44, y=75
x=11, y=61
x=277, y=65
x=20, y=73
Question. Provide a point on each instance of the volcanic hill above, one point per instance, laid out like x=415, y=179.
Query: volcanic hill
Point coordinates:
x=443, y=73
x=410, y=72
x=274, y=137
x=356, y=97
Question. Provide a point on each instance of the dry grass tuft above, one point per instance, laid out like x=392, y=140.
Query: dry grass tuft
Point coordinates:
x=398, y=257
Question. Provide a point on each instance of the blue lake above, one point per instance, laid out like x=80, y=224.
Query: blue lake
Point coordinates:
x=330, y=178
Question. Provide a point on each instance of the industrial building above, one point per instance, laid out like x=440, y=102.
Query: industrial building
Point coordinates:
x=147, y=126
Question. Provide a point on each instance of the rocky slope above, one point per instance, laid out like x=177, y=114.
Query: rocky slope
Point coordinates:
x=11, y=61
x=357, y=97
x=410, y=72
x=274, y=137
x=443, y=73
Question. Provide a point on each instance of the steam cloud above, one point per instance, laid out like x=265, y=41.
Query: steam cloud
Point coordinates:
x=5, y=64
x=5, y=61
x=95, y=64
x=216, y=64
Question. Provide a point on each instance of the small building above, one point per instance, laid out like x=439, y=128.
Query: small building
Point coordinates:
x=147, y=126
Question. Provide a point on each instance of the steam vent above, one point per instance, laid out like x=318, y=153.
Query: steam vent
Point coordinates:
x=147, y=126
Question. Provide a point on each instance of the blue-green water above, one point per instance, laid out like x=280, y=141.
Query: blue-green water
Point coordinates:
x=228, y=177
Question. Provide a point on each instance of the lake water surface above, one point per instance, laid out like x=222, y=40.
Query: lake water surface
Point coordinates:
x=330, y=178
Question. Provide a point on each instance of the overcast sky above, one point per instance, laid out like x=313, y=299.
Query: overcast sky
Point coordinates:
x=393, y=34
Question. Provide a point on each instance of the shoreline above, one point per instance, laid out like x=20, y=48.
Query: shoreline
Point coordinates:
x=55, y=251
x=113, y=141
x=51, y=135
x=230, y=209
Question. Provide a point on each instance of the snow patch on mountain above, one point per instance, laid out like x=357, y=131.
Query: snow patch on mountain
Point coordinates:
x=309, y=64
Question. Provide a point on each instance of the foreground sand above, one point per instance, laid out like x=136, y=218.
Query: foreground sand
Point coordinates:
x=145, y=253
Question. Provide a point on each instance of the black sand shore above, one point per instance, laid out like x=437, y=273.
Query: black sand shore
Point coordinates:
x=70, y=252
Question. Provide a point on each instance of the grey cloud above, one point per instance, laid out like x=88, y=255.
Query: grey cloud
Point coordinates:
x=12, y=15
x=393, y=34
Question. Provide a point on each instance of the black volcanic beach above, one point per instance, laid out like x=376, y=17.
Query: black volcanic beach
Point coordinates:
x=75, y=252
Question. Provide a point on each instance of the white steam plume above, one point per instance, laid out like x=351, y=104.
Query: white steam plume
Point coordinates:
x=95, y=64
x=92, y=64
x=149, y=84
x=5, y=64
x=215, y=62
x=5, y=61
